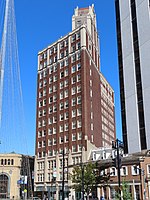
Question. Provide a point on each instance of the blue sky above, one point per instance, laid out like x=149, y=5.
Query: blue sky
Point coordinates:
x=41, y=22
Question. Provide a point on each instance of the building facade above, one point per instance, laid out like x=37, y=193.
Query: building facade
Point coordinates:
x=133, y=34
x=75, y=103
x=15, y=176
x=135, y=171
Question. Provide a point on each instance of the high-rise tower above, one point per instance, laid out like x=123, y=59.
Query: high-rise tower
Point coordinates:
x=75, y=103
x=133, y=34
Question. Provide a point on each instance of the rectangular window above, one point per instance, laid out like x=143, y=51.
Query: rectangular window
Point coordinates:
x=66, y=93
x=73, y=58
x=78, y=77
x=74, y=125
x=73, y=90
x=73, y=113
x=80, y=136
x=78, y=88
x=61, y=64
x=61, y=74
x=66, y=83
x=73, y=80
x=79, y=100
x=78, y=66
x=66, y=104
x=61, y=106
x=66, y=127
x=73, y=101
x=73, y=69
x=73, y=137
x=66, y=72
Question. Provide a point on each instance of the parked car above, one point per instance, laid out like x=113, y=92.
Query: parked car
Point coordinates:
x=36, y=198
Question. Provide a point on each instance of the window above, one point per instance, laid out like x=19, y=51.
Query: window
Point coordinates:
x=50, y=61
x=79, y=124
x=62, y=55
x=61, y=85
x=66, y=62
x=44, y=122
x=73, y=80
x=50, y=121
x=61, y=45
x=54, y=141
x=39, y=144
x=78, y=45
x=80, y=136
x=92, y=127
x=44, y=82
x=54, y=119
x=50, y=80
x=61, y=117
x=148, y=169
x=78, y=66
x=55, y=58
x=123, y=171
x=66, y=104
x=61, y=128
x=40, y=113
x=50, y=131
x=40, y=85
x=51, y=69
x=66, y=52
x=74, y=125
x=54, y=88
x=73, y=38
x=49, y=142
x=66, y=83
x=73, y=90
x=78, y=35
x=44, y=112
x=73, y=58
x=78, y=77
x=73, y=101
x=135, y=170
x=66, y=138
x=61, y=140
x=66, y=115
x=73, y=137
x=66, y=127
x=54, y=98
x=66, y=93
x=44, y=92
x=73, y=69
x=55, y=68
x=61, y=95
x=55, y=78
x=54, y=108
x=66, y=42
x=50, y=110
x=79, y=147
x=54, y=130
x=79, y=100
x=39, y=134
x=61, y=106
x=113, y=171
x=78, y=56
x=73, y=113
x=55, y=49
x=73, y=48
x=41, y=75
x=78, y=88
x=50, y=90
x=66, y=72
x=74, y=148
x=51, y=51
x=61, y=64
x=61, y=74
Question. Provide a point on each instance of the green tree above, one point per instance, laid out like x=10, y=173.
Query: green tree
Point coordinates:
x=126, y=195
x=89, y=178
x=92, y=177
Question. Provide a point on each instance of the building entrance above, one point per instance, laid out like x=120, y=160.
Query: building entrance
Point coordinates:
x=4, y=186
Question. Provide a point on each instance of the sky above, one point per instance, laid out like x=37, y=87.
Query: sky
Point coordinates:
x=42, y=22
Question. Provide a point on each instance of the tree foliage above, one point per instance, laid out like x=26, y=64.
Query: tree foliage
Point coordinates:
x=92, y=177
x=126, y=195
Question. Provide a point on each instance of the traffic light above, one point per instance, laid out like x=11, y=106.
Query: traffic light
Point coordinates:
x=114, y=162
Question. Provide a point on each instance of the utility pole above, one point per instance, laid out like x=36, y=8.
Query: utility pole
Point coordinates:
x=118, y=166
x=82, y=181
x=63, y=176
x=117, y=144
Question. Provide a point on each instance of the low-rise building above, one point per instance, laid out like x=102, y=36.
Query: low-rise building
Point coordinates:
x=15, y=175
x=135, y=170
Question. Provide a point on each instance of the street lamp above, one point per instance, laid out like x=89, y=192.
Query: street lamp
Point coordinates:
x=118, y=144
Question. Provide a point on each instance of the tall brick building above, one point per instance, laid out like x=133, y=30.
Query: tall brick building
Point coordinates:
x=75, y=103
